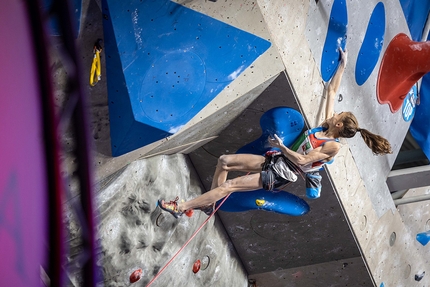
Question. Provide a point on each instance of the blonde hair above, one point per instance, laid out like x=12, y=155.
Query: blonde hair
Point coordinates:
x=376, y=143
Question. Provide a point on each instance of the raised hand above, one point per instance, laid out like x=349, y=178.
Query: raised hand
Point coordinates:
x=343, y=56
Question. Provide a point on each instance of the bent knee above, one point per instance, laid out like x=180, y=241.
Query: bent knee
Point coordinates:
x=223, y=161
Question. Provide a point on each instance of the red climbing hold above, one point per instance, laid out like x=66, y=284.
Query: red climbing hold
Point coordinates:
x=189, y=212
x=136, y=275
x=403, y=64
x=196, y=266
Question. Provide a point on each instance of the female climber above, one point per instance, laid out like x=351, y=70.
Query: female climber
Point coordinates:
x=308, y=154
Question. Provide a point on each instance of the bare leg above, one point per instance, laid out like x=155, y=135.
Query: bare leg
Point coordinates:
x=235, y=162
x=222, y=187
x=243, y=183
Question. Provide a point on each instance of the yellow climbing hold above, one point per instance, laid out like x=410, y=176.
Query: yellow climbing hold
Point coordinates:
x=260, y=202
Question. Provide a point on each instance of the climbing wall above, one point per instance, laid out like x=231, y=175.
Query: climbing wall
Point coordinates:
x=135, y=234
x=165, y=62
x=366, y=30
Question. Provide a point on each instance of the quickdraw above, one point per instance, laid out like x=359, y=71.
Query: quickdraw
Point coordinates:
x=96, y=68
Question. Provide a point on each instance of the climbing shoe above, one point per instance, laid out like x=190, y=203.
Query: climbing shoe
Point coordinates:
x=171, y=207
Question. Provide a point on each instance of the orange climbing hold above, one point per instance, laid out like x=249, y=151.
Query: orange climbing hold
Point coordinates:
x=403, y=64
x=136, y=275
x=189, y=212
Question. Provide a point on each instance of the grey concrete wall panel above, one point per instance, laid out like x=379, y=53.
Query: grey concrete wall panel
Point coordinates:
x=134, y=233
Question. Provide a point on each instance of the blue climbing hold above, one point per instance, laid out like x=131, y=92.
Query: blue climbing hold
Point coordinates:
x=286, y=122
x=372, y=45
x=279, y=202
x=336, y=37
x=423, y=237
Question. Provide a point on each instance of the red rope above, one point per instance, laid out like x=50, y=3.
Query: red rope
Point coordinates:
x=186, y=243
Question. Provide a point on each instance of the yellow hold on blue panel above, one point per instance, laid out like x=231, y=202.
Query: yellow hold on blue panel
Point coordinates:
x=260, y=202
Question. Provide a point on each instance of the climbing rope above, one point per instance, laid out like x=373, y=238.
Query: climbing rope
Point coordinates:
x=96, y=67
x=186, y=243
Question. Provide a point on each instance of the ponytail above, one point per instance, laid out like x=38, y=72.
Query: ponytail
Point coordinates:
x=376, y=143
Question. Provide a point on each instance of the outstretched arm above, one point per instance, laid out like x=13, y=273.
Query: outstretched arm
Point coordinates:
x=334, y=84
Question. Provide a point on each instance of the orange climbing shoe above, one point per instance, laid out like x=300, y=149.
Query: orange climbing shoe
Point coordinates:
x=171, y=207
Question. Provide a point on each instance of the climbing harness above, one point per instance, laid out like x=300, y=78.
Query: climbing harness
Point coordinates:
x=96, y=68
x=277, y=168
